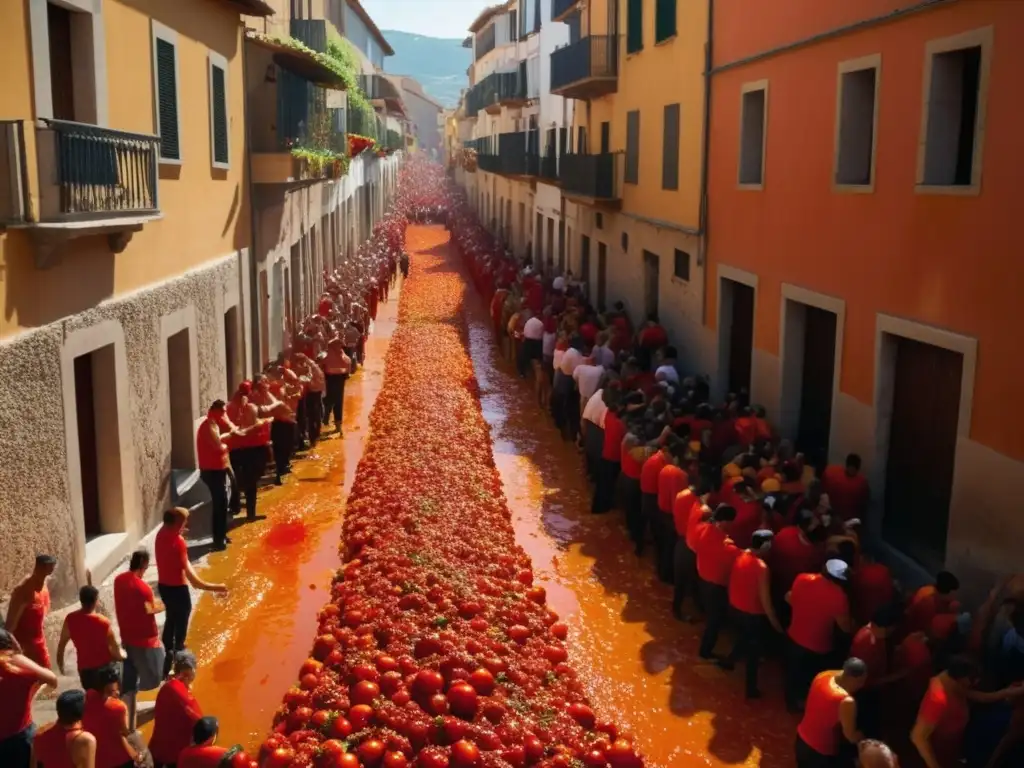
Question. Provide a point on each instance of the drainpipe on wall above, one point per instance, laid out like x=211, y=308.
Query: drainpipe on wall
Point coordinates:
x=702, y=225
x=255, y=300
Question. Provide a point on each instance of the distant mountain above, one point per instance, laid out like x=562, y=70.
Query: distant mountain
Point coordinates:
x=439, y=64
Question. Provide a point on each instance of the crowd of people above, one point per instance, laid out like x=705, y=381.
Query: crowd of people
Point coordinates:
x=755, y=536
x=281, y=411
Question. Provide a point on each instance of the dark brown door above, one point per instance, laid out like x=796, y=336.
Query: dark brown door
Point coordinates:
x=650, y=283
x=551, y=243
x=602, y=273
x=816, y=385
x=585, y=262
x=741, y=335
x=62, y=79
x=538, y=236
x=922, y=450
x=86, y=413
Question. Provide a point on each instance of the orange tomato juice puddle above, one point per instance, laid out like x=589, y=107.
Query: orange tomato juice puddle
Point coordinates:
x=639, y=665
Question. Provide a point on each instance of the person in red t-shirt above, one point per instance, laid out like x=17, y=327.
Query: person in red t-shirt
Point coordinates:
x=136, y=609
x=611, y=455
x=106, y=718
x=65, y=743
x=27, y=609
x=176, y=713
x=797, y=549
x=204, y=752
x=873, y=643
x=871, y=588
x=830, y=720
x=716, y=554
x=847, y=488
x=20, y=679
x=931, y=600
x=819, y=607
x=672, y=480
x=688, y=509
x=942, y=718
x=92, y=635
x=174, y=574
x=649, y=473
x=750, y=598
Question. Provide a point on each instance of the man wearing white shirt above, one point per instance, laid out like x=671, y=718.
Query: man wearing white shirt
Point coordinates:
x=532, y=348
x=571, y=359
x=558, y=284
x=602, y=354
x=588, y=378
x=593, y=431
x=564, y=405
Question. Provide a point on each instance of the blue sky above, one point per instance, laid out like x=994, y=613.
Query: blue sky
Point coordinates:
x=434, y=18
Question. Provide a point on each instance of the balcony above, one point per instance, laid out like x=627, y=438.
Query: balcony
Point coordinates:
x=560, y=9
x=497, y=90
x=91, y=181
x=510, y=154
x=586, y=69
x=593, y=179
x=382, y=93
x=549, y=168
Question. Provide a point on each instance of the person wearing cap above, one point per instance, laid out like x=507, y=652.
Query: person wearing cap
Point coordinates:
x=26, y=612
x=716, y=554
x=20, y=678
x=92, y=634
x=819, y=606
x=106, y=718
x=750, y=600
x=847, y=488
x=828, y=729
x=174, y=575
x=65, y=743
x=176, y=713
x=931, y=600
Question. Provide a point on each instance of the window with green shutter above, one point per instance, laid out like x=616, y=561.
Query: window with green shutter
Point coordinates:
x=670, y=148
x=167, y=99
x=634, y=26
x=633, y=147
x=664, y=20
x=219, y=114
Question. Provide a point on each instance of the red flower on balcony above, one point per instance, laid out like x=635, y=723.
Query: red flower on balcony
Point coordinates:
x=358, y=144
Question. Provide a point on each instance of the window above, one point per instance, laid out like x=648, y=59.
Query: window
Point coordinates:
x=165, y=90
x=634, y=26
x=681, y=268
x=599, y=220
x=606, y=137
x=219, y=111
x=753, y=109
x=581, y=140
x=633, y=147
x=856, y=106
x=625, y=242
x=670, y=148
x=664, y=20
x=953, y=119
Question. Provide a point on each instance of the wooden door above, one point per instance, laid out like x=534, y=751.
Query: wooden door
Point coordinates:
x=816, y=385
x=741, y=335
x=62, y=72
x=602, y=272
x=651, y=283
x=85, y=409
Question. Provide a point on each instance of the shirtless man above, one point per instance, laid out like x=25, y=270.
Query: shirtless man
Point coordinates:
x=30, y=602
x=317, y=385
x=337, y=366
x=268, y=395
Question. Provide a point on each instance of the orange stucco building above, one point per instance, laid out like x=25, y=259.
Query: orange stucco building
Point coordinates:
x=863, y=256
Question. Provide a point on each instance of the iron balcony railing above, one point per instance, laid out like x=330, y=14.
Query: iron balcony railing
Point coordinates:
x=593, y=176
x=92, y=172
x=498, y=88
x=549, y=167
x=593, y=56
x=510, y=154
x=378, y=87
x=560, y=7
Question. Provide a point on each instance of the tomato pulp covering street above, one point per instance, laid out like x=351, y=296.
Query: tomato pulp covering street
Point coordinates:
x=436, y=648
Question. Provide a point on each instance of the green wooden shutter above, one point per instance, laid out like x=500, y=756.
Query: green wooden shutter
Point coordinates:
x=664, y=19
x=219, y=114
x=670, y=148
x=167, y=100
x=633, y=147
x=635, y=26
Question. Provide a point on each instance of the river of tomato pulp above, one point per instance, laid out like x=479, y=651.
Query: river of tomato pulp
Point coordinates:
x=639, y=665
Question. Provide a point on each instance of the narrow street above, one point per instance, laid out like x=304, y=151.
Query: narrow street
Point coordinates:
x=639, y=665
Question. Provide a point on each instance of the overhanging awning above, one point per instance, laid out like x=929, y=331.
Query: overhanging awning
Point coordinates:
x=299, y=62
x=253, y=7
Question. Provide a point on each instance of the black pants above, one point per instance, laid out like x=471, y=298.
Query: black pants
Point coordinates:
x=802, y=665
x=178, y=605
x=593, y=441
x=648, y=520
x=869, y=712
x=301, y=423
x=314, y=416
x=216, y=481
x=684, y=576
x=561, y=391
x=716, y=603
x=335, y=398
x=604, y=489
x=282, y=440
x=249, y=464
x=529, y=350
x=632, y=499
x=750, y=629
x=571, y=408
x=665, y=545
x=811, y=758
x=16, y=750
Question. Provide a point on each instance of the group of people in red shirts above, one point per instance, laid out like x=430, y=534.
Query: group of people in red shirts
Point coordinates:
x=752, y=538
x=95, y=723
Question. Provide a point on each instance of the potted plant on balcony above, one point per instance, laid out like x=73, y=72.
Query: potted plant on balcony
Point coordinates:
x=358, y=144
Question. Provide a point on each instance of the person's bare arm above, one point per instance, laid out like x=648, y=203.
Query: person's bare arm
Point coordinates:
x=44, y=675
x=154, y=607
x=114, y=647
x=848, y=720
x=62, y=645
x=1014, y=735
x=198, y=583
x=989, y=697
x=765, y=593
x=83, y=751
x=19, y=601
x=921, y=738
x=845, y=622
x=125, y=733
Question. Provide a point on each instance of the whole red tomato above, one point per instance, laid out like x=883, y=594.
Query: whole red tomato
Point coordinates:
x=428, y=682
x=364, y=692
x=386, y=663
x=395, y=760
x=432, y=757
x=361, y=715
x=279, y=758
x=583, y=715
x=622, y=755
x=463, y=700
x=340, y=728
x=371, y=752
x=482, y=681
x=534, y=749
x=240, y=760
x=465, y=754
x=595, y=759
x=537, y=594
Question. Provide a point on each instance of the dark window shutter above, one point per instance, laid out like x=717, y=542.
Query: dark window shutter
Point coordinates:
x=682, y=265
x=670, y=148
x=635, y=26
x=633, y=147
x=549, y=143
x=218, y=93
x=536, y=16
x=513, y=26
x=606, y=137
x=563, y=139
x=581, y=140
x=664, y=20
x=167, y=100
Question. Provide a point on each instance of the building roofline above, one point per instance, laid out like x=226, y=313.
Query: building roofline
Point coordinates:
x=252, y=7
x=356, y=6
x=486, y=14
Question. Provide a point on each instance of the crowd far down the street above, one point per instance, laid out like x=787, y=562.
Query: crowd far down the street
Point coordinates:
x=437, y=649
